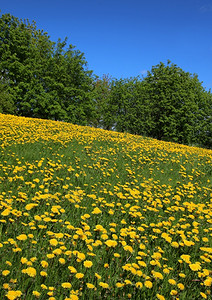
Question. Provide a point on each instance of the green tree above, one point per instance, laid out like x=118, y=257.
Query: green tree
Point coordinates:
x=6, y=103
x=44, y=80
x=177, y=102
x=126, y=108
x=101, y=95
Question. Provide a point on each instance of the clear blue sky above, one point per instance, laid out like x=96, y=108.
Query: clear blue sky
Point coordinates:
x=125, y=38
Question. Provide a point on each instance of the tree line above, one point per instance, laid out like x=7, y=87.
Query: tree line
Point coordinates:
x=43, y=79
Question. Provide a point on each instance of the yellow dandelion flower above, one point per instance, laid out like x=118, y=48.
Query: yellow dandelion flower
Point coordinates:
x=44, y=287
x=180, y=286
x=90, y=285
x=53, y=242
x=148, y=284
x=173, y=293
x=22, y=237
x=44, y=264
x=172, y=281
x=72, y=269
x=186, y=258
x=5, y=272
x=195, y=267
x=96, y=211
x=160, y=297
x=208, y=281
x=36, y=294
x=98, y=276
x=175, y=245
x=203, y=295
x=104, y=285
x=72, y=297
x=12, y=295
x=157, y=275
x=87, y=263
x=111, y=243
x=79, y=275
x=166, y=271
x=62, y=261
x=66, y=285
x=139, y=285
x=119, y=285
x=31, y=271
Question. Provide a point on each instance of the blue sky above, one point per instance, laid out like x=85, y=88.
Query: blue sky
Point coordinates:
x=125, y=38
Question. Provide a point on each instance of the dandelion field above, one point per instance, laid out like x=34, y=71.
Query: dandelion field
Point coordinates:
x=92, y=214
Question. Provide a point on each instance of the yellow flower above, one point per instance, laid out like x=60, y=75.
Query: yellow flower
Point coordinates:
x=90, y=286
x=186, y=258
x=88, y=264
x=208, y=281
x=79, y=275
x=44, y=264
x=5, y=272
x=116, y=255
x=12, y=295
x=157, y=275
x=172, y=281
x=30, y=271
x=72, y=297
x=160, y=297
x=180, y=286
x=57, y=251
x=142, y=263
x=30, y=206
x=166, y=271
x=50, y=255
x=36, y=294
x=173, y=292
x=139, y=285
x=72, y=269
x=43, y=273
x=22, y=237
x=195, y=267
x=203, y=295
x=66, y=285
x=119, y=285
x=104, y=285
x=80, y=255
x=128, y=248
x=53, y=242
x=62, y=261
x=111, y=243
x=148, y=284
x=43, y=286
x=175, y=244
x=98, y=276
x=96, y=211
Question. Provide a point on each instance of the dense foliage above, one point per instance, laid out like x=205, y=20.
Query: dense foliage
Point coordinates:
x=44, y=80
x=40, y=78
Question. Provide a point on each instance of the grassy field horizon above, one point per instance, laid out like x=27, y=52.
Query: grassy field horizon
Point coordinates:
x=93, y=214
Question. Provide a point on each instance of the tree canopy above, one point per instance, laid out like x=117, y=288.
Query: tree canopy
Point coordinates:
x=44, y=79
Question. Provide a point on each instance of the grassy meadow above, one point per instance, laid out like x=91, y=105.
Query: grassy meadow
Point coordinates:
x=92, y=214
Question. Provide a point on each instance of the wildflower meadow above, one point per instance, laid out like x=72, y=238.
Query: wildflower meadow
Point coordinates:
x=87, y=213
